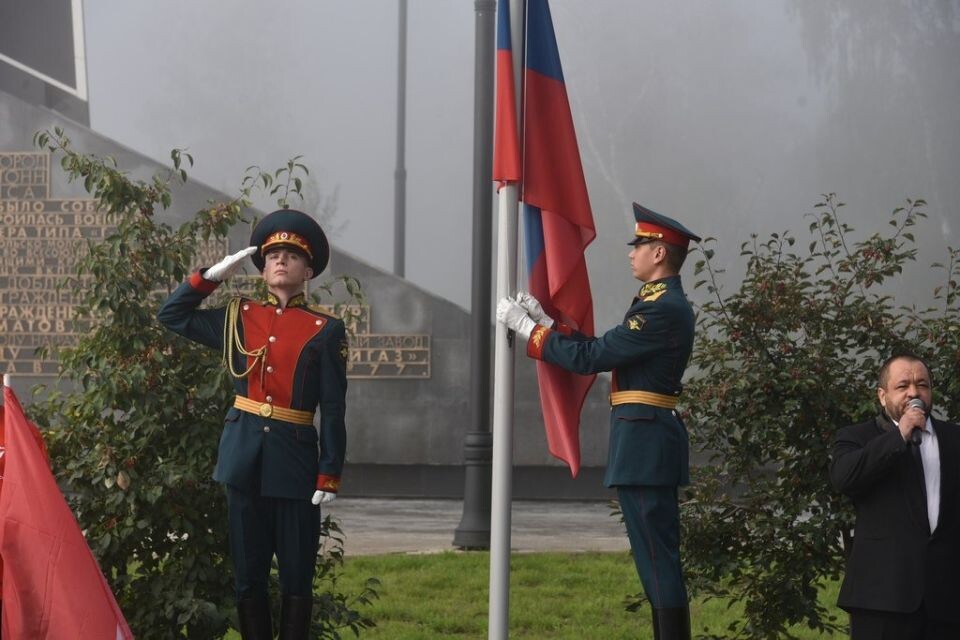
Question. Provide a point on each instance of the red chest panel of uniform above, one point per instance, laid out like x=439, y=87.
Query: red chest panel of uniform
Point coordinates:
x=285, y=333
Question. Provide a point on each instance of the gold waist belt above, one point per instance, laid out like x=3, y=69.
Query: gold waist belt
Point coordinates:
x=267, y=410
x=643, y=397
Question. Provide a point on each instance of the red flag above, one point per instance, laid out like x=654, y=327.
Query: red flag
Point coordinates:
x=506, y=139
x=43, y=448
x=558, y=225
x=53, y=588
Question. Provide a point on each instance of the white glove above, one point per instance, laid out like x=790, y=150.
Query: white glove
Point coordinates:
x=513, y=316
x=534, y=309
x=322, y=497
x=228, y=266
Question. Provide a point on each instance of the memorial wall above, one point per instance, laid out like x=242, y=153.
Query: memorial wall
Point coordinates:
x=40, y=240
x=408, y=371
x=42, y=237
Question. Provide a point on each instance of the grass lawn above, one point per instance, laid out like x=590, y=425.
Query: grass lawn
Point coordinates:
x=574, y=596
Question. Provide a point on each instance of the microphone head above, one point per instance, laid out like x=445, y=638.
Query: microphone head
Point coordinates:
x=917, y=403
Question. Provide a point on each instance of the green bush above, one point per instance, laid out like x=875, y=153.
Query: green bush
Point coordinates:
x=778, y=366
x=135, y=427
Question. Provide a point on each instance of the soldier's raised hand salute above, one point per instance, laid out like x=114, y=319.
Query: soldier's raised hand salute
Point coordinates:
x=228, y=266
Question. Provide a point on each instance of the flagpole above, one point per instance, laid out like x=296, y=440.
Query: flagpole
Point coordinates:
x=503, y=381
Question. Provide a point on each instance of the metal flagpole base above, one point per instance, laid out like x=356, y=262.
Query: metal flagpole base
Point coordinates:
x=473, y=531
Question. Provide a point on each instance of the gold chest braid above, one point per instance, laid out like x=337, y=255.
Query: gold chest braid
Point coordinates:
x=231, y=339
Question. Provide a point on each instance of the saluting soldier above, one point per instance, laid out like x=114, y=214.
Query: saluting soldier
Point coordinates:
x=647, y=353
x=287, y=358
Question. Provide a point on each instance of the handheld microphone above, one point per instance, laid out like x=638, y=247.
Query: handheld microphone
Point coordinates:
x=916, y=436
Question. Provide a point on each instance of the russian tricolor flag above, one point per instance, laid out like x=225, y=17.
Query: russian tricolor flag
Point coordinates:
x=558, y=222
x=506, y=142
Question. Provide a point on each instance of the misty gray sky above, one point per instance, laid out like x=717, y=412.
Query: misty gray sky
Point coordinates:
x=731, y=116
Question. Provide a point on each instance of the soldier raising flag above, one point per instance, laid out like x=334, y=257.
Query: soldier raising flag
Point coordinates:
x=647, y=353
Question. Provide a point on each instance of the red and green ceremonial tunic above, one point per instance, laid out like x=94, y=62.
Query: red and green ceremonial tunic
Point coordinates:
x=292, y=361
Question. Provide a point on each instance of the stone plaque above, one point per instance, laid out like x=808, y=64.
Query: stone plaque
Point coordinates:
x=41, y=239
x=382, y=355
x=24, y=176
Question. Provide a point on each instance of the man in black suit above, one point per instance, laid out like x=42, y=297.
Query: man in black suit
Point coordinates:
x=901, y=471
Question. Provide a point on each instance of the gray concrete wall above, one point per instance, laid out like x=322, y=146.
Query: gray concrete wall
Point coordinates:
x=405, y=434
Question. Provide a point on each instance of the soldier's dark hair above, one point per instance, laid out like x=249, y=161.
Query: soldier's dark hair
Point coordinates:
x=675, y=256
x=884, y=376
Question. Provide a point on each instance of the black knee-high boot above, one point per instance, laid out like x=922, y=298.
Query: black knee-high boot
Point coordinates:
x=254, y=615
x=671, y=624
x=295, y=616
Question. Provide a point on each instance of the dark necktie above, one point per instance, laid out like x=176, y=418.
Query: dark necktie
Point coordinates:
x=918, y=463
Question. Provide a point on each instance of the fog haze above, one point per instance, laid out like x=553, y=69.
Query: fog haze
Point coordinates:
x=733, y=117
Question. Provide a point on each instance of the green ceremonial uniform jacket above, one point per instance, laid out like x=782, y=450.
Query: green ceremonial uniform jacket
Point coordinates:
x=302, y=366
x=648, y=352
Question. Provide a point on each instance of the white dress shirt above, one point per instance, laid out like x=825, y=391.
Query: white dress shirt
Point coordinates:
x=930, y=454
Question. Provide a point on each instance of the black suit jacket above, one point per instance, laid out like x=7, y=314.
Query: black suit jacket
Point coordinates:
x=895, y=563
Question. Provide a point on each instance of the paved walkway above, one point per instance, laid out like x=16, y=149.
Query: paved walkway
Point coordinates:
x=375, y=526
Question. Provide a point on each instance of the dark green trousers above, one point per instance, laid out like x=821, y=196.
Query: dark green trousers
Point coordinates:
x=652, y=516
x=261, y=528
